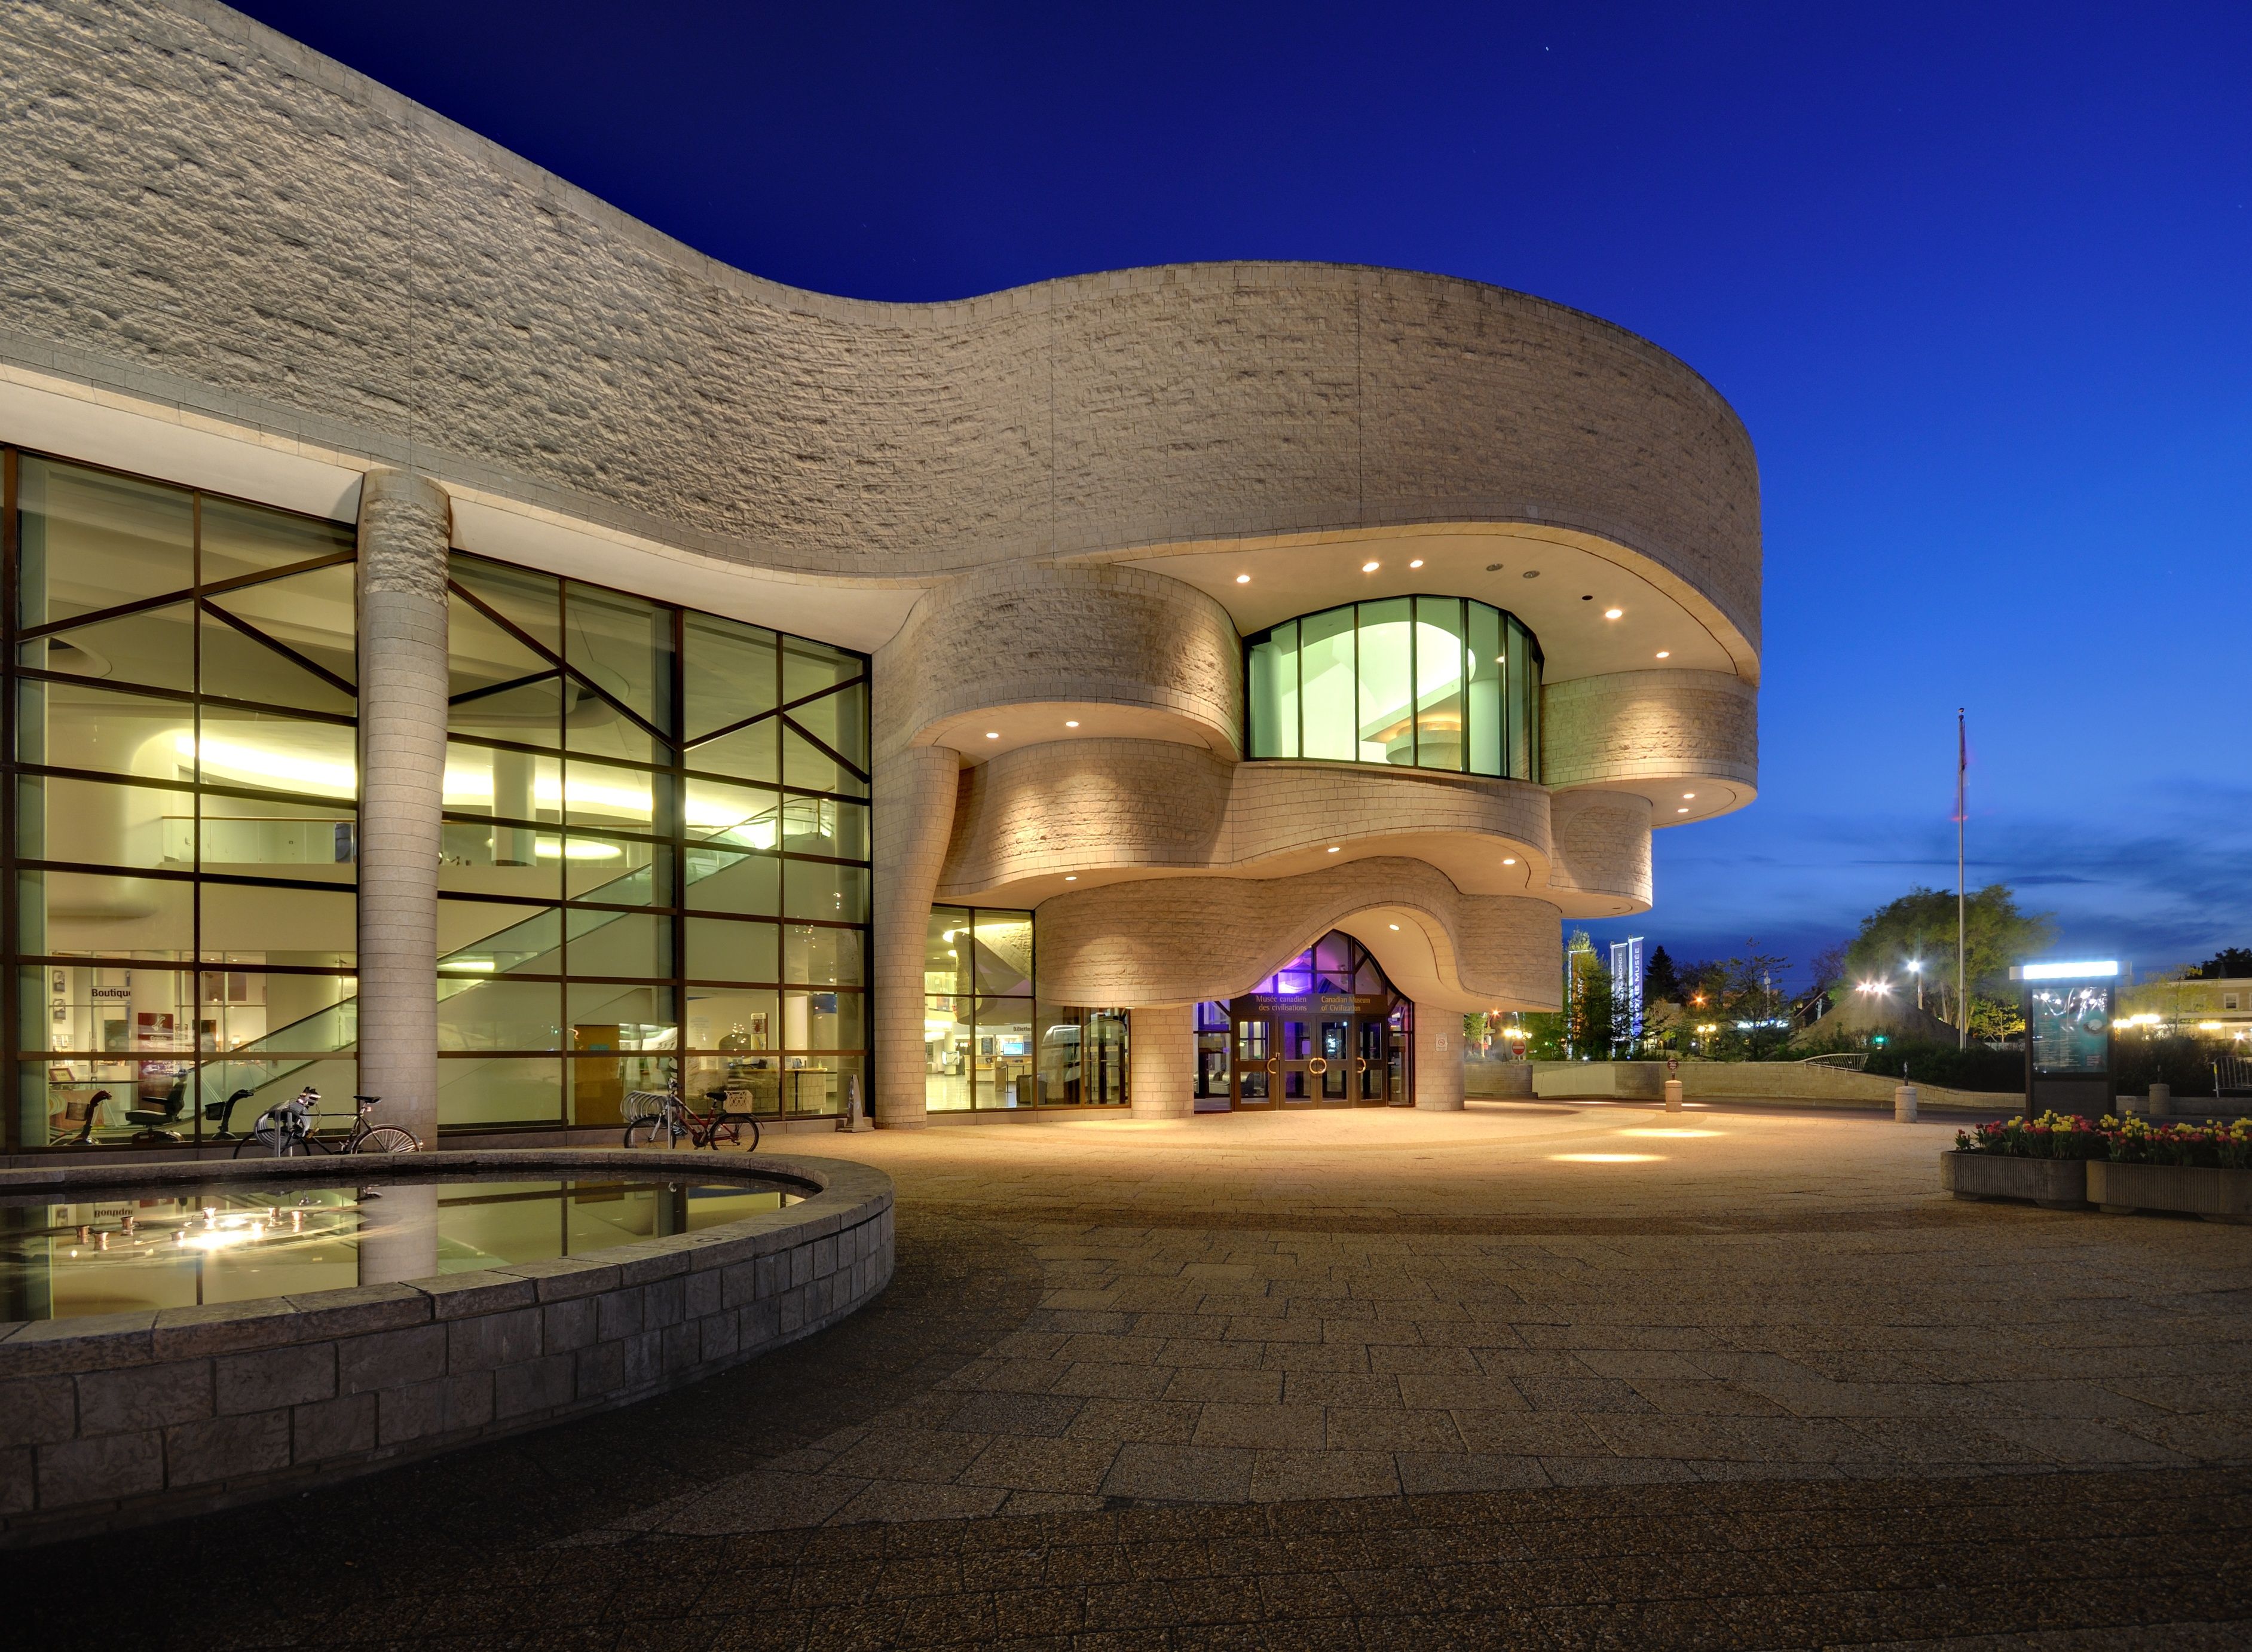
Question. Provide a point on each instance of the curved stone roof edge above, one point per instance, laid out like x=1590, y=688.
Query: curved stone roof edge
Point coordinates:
x=1031, y=297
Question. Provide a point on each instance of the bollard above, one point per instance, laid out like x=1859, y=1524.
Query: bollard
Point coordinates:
x=1904, y=1104
x=1673, y=1095
x=2162, y=1100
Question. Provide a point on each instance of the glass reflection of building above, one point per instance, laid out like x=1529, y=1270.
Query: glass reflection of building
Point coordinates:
x=655, y=857
x=990, y=1040
x=1426, y=682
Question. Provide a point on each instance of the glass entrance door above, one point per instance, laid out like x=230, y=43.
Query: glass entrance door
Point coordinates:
x=1335, y=1078
x=1256, y=1065
x=1372, y=1064
x=1297, y=1052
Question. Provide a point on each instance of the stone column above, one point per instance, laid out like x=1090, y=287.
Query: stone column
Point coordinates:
x=914, y=811
x=1438, y=1060
x=405, y=526
x=1161, y=1061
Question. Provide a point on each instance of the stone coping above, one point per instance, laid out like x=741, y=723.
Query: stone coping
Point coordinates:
x=113, y=1419
x=844, y=1195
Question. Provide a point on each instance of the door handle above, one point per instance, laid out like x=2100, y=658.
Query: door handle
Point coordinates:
x=1318, y=1064
x=1361, y=1064
x=1274, y=1064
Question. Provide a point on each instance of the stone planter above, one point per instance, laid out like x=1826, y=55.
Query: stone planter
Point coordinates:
x=2219, y=1196
x=2054, y=1185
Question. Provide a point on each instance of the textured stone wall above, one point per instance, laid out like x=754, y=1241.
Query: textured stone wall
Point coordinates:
x=196, y=209
x=405, y=526
x=1162, y=1051
x=1087, y=806
x=1177, y=941
x=1438, y=1060
x=1038, y=633
x=1650, y=726
x=912, y=806
x=1603, y=846
x=119, y=1419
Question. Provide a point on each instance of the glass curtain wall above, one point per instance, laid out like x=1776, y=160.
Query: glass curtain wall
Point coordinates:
x=656, y=858
x=1428, y=682
x=990, y=1041
x=181, y=810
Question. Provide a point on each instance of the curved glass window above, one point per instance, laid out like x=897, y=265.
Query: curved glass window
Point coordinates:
x=1424, y=681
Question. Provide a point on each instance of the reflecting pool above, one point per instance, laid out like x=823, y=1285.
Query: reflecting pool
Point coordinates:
x=137, y=1249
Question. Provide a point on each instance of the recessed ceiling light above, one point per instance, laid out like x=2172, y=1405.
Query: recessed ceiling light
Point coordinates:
x=1665, y=654
x=1612, y=613
x=1689, y=797
x=1532, y=574
x=1680, y=811
x=1334, y=848
x=1243, y=579
x=1395, y=925
x=992, y=733
x=1070, y=722
x=1509, y=860
x=1417, y=563
x=1071, y=877
x=1493, y=567
x=1369, y=567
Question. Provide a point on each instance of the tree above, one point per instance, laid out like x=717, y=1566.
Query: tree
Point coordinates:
x=1660, y=982
x=2230, y=964
x=1921, y=926
x=1592, y=1016
x=1738, y=998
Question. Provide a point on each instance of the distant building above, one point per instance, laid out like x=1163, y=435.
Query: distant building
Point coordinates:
x=2222, y=1008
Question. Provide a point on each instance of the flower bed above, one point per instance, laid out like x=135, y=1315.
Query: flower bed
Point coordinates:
x=2063, y=1159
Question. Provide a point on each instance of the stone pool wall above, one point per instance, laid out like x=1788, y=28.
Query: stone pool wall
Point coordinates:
x=116, y=1419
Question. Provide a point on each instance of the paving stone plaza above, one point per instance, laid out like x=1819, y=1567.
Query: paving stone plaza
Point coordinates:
x=1545, y=1374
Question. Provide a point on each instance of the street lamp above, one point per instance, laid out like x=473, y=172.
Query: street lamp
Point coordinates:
x=1915, y=968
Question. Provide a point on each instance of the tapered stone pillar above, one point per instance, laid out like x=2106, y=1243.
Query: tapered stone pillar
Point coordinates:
x=405, y=525
x=913, y=808
x=1438, y=1060
x=1161, y=1062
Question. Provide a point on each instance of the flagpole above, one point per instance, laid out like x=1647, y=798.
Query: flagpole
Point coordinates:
x=1962, y=784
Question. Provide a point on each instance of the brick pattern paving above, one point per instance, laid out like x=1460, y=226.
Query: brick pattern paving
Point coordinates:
x=1118, y=1398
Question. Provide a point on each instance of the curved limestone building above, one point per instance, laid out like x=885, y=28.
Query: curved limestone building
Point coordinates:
x=474, y=649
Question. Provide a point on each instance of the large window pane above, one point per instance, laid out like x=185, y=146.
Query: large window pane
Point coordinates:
x=625, y=871
x=820, y=1020
x=283, y=641
x=1004, y=952
x=946, y=951
x=600, y=794
x=1483, y=699
x=1326, y=688
x=1275, y=693
x=826, y=826
x=240, y=540
x=1385, y=728
x=274, y=753
x=141, y=826
x=105, y=914
x=742, y=1024
x=729, y=673
x=632, y=944
x=805, y=764
x=155, y=648
x=499, y=1090
x=946, y=1054
x=1524, y=705
x=78, y=725
x=1440, y=666
x=317, y=924
x=738, y=817
x=623, y=645
x=808, y=667
x=719, y=880
x=93, y=541
x=606, y=1015
x=753, y=753
x=1005, y=1056
x=500, y=937
x=499, y=1014
x=811, y=889
x=720, y=949
x=246, y=836
x=821, y=955
x=838, y=721
x=532, y=602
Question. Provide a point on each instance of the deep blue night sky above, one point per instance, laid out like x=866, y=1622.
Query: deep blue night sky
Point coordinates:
x=1977, y=279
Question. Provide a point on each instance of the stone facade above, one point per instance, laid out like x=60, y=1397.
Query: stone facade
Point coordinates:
x=219, y=249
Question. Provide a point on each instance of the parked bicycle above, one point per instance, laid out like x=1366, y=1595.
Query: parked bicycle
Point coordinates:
x=651, y=1114
x=293, y=1127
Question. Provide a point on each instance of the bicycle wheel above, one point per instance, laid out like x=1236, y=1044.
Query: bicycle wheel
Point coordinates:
x=752, y=1125
x=386, y=1138
x=277, y=1144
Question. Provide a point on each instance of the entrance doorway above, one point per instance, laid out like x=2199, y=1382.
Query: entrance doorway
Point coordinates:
x=1327, y=1030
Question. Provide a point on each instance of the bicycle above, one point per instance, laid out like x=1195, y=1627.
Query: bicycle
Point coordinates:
x=291, y=1127
x=652, y=1111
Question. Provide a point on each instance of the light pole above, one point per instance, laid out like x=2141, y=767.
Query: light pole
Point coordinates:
x=1915, y=968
